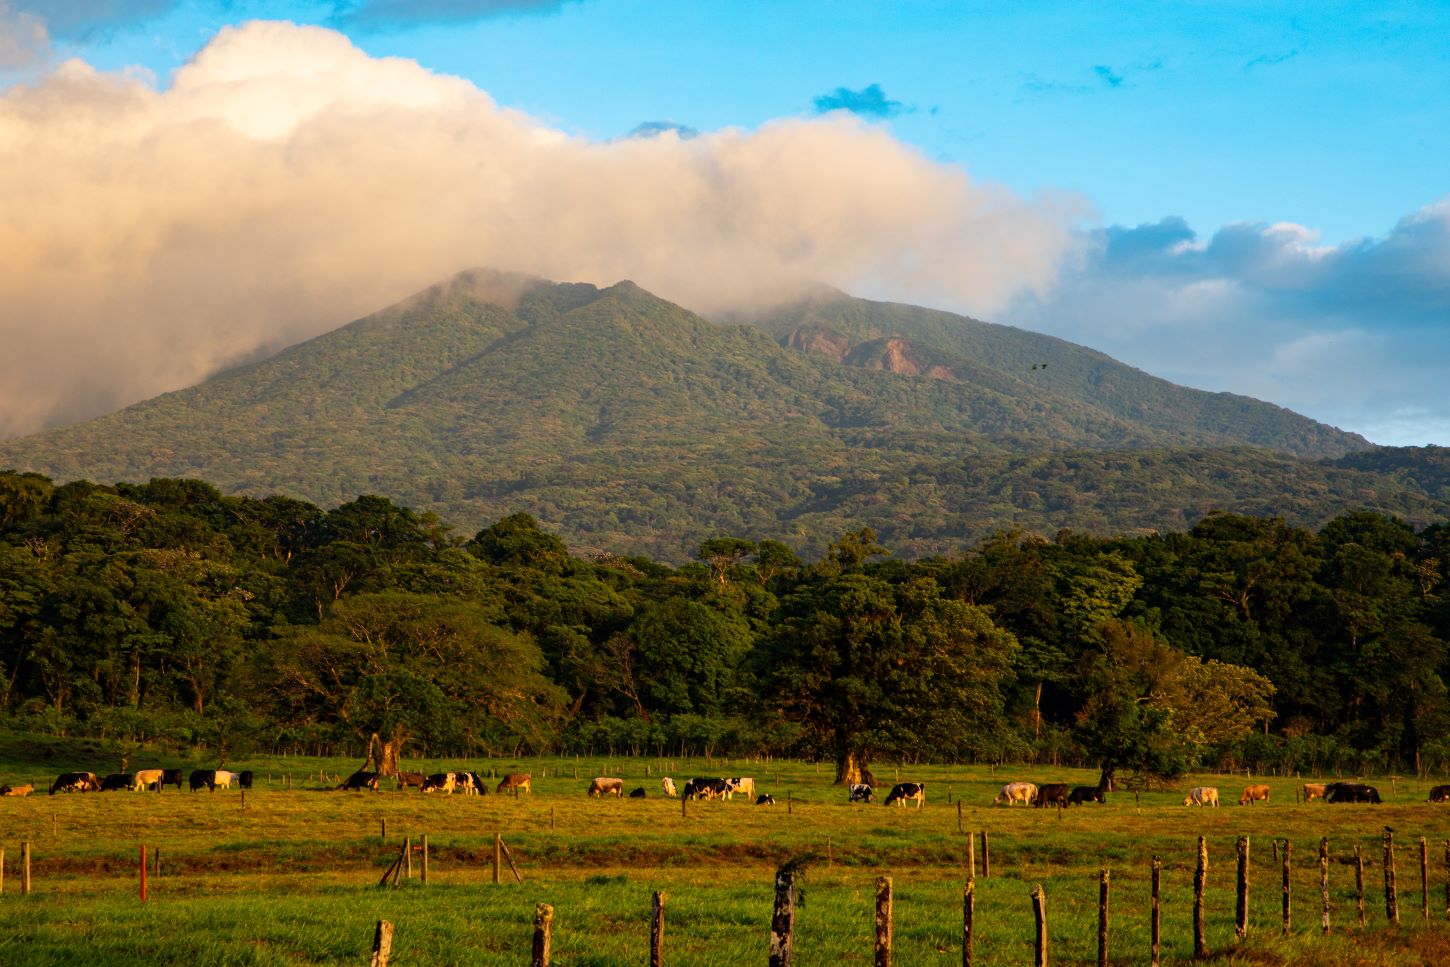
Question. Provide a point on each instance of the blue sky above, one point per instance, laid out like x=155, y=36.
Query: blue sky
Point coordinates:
x=1251, y=197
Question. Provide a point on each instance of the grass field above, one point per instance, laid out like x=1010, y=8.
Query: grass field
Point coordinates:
x=288, y=873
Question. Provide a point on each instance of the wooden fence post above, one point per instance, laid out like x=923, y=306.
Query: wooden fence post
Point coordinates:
x=1392, y=896
x=969, y=902
x=408, y=857
x=25, y=868
x=1424, y=879
x=986, y=857
x=1241, y=908
x=782, y=921
x=1103, y=918
x=972, y=859
x=497, y=855
x=1324, y=884
x=657, y=929
x=382, y=944
x=1287, y=846
x=883, y=921
x=1155, y=934
x=1039, y=914
x=1447, y=876
x=2, y=870
x=1359, y=883
x=156, y=862
x=1200, y=881
x=543, y=935
x=425, y=859
x=143, y=873
x=959, y=815
x=383, y=829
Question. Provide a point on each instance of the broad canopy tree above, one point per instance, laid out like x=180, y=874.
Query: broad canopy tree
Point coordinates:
x=874, y=668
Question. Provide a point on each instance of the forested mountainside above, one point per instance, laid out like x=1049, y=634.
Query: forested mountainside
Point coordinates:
x=169, y=612
x=631, y=425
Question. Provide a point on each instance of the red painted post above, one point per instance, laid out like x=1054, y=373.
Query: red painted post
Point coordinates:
x=143, y=872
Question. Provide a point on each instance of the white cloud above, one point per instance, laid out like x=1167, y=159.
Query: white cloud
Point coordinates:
x=1347, y=334
x=287, y=182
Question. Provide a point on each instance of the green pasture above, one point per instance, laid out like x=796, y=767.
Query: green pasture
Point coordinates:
x=288, y=873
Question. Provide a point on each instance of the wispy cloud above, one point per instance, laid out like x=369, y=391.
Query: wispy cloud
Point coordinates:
x=286, y=182
x=1344, y=332
x=24, y=40
x=395, y=13
x=82, y=19
x=870, y=102
x=1108, y=76
x=1269, y=60
x=653, y=129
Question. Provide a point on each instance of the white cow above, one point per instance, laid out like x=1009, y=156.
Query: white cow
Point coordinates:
x=744, y=785
x=224, y=780
x=145, y=779
x=1202, y=796
x=668, y=785
x=1015, y=792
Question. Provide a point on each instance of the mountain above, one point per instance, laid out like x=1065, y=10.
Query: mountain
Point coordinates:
x=627, y=423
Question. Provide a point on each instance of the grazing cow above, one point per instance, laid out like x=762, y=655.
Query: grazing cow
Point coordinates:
x=360, y=780
x=117, y=781
x=602, y=786
x=1051, y=793
x=518, y=781
x=463, y=784
x=170, y=777
x=223, y=779
x=75, y=782
x=202, y=777
x=1253, y=794
x=1202, y=796
x=903, y=792
x=1351, y=792
x=480, y=788
x=765, y=799
x=707, y=789
x=668, y=785
x=1082, y=794
x=1439, y=794
x=744, y=785
x=1313, y=790
x=244, y=778
x=638, y=793
x=24, y=790
x=407, y=780
x=148, y=779
x=441, y=782
x=859, y=792
x=1015, y=792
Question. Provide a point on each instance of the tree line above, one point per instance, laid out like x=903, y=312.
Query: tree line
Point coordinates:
x=169, y=612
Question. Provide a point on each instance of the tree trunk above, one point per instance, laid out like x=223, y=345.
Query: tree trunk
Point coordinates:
x=851, y=768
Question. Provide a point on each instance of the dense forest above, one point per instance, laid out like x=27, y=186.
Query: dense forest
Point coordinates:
x=167, y=612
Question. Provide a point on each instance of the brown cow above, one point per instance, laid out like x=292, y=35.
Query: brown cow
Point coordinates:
x=1313, y=790
x=1253, y=794
x=518, y=781
x=410, y=780
x=604, y=786
x=24, y=790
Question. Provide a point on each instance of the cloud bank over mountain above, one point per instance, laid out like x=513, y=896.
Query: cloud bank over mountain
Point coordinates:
x=287, y=182
x=1356, y=334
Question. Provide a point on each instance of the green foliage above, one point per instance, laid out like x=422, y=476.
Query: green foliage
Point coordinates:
x=627, y=424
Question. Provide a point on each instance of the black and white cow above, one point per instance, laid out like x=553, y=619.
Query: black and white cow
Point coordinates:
x=707, y=789
x=359, y=781
x=904, y=792
x=859, y=792
x=75, y=782
x=1351, y=792
x=765, y=799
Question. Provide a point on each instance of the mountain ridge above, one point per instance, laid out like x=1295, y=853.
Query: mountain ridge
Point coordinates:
x=629, y=424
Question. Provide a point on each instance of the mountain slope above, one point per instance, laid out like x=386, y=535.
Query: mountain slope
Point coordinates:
x=627, y=423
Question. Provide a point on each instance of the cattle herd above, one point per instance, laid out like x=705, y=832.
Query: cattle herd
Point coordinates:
x=471, y=784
